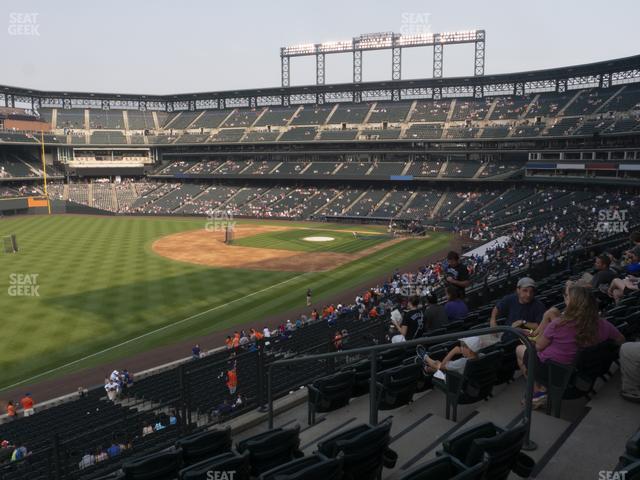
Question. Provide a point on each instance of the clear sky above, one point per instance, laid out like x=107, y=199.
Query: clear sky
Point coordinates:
x=162, y=47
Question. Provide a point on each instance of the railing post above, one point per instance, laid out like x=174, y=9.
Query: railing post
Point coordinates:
x=373, y=389
x=56, y=456
x=270, y=397
x=261, y=374
x=529, y=444
x=185, y=412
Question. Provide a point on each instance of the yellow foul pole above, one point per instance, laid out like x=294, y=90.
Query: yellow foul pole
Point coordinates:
x=44, y=170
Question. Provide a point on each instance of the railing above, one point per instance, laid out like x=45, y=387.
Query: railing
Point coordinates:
x=373, y=351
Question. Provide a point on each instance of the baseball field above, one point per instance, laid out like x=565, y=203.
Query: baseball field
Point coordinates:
x=85, y=291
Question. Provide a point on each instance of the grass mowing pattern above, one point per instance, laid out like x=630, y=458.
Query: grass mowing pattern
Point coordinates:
x=344, y=242
x=100, y=284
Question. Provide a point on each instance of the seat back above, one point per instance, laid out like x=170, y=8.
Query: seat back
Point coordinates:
x=271, y=449
x=632, y=472
x=503, y=450
x=223, y=463
x=200, y=446
x=363, y=450
x=157, y=466
x=315, y=467
x=593, y=362
x=362, y=370
x=333, y=391
x=398, y=385
x=480, y=375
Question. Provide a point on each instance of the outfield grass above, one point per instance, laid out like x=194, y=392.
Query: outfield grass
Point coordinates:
x=99, y=284
x=344, y=242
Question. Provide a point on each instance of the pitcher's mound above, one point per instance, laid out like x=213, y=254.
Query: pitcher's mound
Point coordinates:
x=318, y=239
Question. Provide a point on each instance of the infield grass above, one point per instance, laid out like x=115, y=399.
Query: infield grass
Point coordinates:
x=343, y=242
x=99, y=285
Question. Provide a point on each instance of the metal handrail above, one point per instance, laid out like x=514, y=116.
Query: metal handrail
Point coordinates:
x=373, y=350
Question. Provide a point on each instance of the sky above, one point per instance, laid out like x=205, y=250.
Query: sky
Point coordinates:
x=165, y=47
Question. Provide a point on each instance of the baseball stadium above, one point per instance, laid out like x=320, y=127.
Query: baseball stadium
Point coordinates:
x=424, y=278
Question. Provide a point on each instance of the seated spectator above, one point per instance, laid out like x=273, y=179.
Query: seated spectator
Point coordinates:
x=521, y=309
x=20, y=453
x=6, y=449
x=395, y=332
x=435, y=315
x=158, y=426
x=630, y=368
x=27, y=405
x=147, y=429
x=195, y=351
x=87, y=460
x=101, y=455
x=114, y=450
x=469, y=349
x=621, y=286
x=173, y=418
x=455, y=307
x=578, y=326
x=604, y=273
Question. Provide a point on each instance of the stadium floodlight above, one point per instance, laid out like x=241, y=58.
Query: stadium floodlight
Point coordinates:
x=385, y=41
x=302, y=49
x=336, y=47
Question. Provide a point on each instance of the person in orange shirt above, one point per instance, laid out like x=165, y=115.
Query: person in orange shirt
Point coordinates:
x=27, y=404
x=373, y=313
x=232, y=380
x=236, y=340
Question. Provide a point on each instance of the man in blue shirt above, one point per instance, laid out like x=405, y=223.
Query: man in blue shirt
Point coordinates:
x=521, y=309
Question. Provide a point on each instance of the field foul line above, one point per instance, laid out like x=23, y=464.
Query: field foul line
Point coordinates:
x=153, y=332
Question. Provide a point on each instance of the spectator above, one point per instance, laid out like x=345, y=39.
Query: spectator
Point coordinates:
x=521, y=309
x=6, y=449
x=469, y=349
x=337, y=341
x=455, y=307
x=87, y=460
x=114, y=450
x=195, y=351
x=11, y=411
x=630, y=368
x=27, y=405
x=435, y=315
x=20, y=453
x=232, y=379
x=456, y=273
x=604, y=274
x=396, y=321
x=412, y=325
x=621, y=286
x=101, y=455
x=173, y=418
x=266, y=332
x=579, y=326
x=147, y=429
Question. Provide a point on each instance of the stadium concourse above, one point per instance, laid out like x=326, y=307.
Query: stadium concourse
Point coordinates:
x=432, y=366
